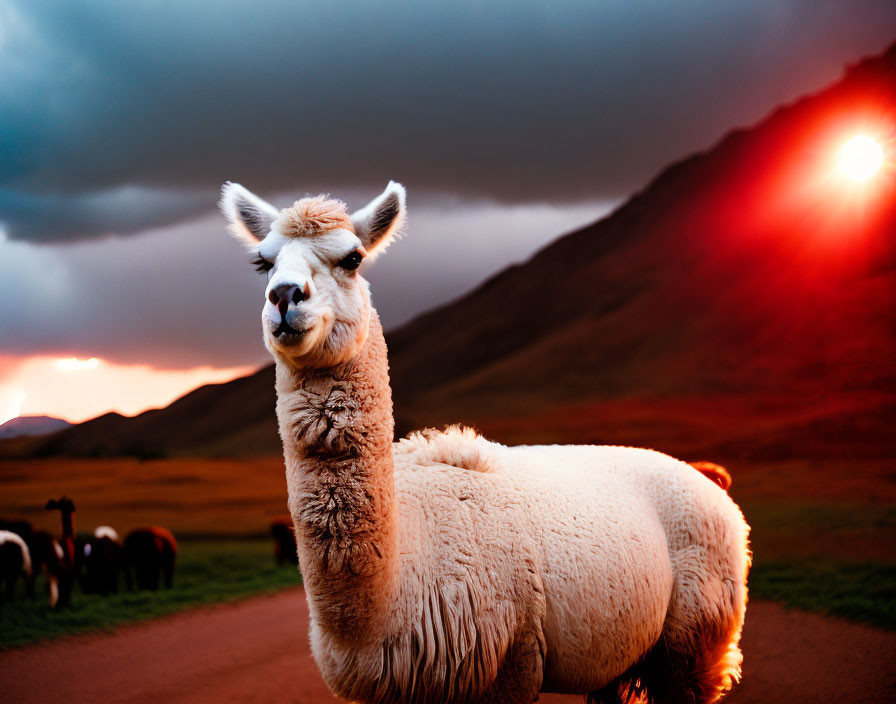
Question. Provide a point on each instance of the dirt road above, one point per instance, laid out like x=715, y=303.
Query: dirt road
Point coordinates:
x=257, y=651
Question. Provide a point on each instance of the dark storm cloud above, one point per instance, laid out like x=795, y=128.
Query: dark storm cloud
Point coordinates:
x=42, y=217
x=513, y=101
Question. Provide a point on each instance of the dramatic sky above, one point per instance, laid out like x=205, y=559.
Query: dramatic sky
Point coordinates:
x=509, y=122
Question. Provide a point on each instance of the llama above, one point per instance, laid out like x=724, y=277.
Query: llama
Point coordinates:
x=61, y=570
x=284, y=536
x=148, y=553
x=450, y=568
x=99, y=557
x=15, y=560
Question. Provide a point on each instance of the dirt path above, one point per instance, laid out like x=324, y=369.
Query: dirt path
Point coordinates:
x=257, y=651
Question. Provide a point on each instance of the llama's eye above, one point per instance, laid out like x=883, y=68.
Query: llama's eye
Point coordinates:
x=352, y=261
x=261, y=264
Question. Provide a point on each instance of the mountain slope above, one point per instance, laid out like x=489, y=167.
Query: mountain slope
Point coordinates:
x=31, y=425
x=742, y=304
x=751, y=279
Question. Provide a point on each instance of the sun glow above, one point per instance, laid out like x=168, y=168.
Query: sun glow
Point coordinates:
x=11, y=404
x=77, y=389
x=860, y=158
x=73, y=364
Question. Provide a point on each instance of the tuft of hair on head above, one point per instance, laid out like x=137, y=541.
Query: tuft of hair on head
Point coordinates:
x=313, y=216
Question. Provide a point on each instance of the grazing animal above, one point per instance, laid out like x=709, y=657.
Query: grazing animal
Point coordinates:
x=284, y=535
x=25, y=531
x=148, y=554
x=100, y=558
x=61, y=571
x=15, y=560
x=450, y=568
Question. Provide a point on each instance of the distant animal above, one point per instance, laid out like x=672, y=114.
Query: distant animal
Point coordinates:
x=149, y=553
x=25, y=531
x=450, y=568
x=15, y=560
x=61, y=573
x=48, y=558
x=284, y=535
x=100, y=557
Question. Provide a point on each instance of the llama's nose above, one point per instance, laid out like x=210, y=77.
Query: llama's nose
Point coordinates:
x=289, y=293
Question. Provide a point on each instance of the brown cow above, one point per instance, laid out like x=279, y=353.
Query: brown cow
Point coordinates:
x=149, y=552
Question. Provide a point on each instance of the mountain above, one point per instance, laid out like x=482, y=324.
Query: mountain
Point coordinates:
x=31, y=425
x=235, y=418
x=741, y=305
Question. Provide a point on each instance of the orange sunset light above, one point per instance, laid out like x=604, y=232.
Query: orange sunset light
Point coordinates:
x=76, y=389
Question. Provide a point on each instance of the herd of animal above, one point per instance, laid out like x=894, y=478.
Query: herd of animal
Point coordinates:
x=96, y=562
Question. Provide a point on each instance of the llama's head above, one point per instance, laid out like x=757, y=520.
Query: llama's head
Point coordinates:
x=65, y=504
x=317, y=306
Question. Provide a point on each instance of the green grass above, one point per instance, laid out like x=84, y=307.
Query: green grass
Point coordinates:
x=803, y=557
x=831, y=557
x=206, y=573
x=861, y=591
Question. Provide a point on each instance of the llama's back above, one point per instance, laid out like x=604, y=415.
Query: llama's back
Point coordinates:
x=608, y=529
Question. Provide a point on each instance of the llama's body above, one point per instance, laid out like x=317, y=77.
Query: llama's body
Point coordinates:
x=99, y=559
x=564, y=563
x=447, y=568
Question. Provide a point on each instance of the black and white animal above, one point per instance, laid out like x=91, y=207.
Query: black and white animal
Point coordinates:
x=15, y=561
x=98, y=561
x=61, y=570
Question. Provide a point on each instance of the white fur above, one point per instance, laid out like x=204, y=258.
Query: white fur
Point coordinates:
x=597, y=550
x=7, y=536
x=105, y=532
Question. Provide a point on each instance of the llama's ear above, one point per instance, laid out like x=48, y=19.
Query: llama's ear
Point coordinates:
x=377, y=223
x=249, y=217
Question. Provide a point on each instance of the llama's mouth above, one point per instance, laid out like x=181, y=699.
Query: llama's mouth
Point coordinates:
x=286, y=332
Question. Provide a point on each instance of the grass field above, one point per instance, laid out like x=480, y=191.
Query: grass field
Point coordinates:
x=207, y=572
x=823, y=532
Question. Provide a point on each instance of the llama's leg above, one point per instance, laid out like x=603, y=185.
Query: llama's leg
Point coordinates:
x=66, y=584
x=129, y=576
x=698, y=658
x=53, y=581
x=519, y=679
x=169, y=568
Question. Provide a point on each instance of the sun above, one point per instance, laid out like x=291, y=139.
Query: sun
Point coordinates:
x=860, y=158
x=73, y=364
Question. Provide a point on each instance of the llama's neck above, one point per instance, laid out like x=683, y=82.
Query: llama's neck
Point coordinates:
x=337, y=430
x=68, y=525
x=68, y=536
